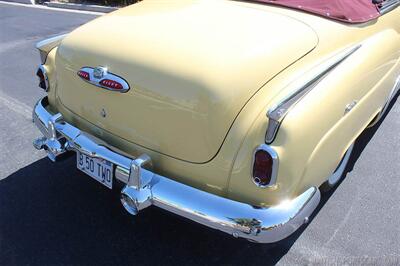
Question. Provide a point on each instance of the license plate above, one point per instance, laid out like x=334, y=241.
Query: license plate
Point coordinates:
x=99, y=169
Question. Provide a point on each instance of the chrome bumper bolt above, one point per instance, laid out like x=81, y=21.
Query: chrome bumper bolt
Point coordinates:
x=39, y=143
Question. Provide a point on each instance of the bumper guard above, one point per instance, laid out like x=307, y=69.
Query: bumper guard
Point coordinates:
x=144, y=188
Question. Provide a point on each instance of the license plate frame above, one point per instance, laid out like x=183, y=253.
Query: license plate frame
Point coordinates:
x=99, y=169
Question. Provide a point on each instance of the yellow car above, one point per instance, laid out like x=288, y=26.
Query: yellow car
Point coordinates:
x=233, y=114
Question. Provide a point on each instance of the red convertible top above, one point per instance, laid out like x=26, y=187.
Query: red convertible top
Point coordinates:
x=350, y=11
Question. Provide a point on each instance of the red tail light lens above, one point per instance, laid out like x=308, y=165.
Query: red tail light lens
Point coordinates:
x=84, y=74
x=112, y=84
x=264, y=167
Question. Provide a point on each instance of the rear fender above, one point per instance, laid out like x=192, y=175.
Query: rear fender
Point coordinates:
x=316, y=132
x=343, y=106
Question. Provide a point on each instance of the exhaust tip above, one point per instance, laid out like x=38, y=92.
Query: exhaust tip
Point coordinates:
x=129, y=204
x=135, y=200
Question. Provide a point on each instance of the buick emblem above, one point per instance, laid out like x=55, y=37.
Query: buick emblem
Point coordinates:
x=99, y=72
x=100, y=77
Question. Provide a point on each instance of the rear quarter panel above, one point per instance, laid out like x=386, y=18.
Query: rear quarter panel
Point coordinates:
x=317, y=132
x=325, y=129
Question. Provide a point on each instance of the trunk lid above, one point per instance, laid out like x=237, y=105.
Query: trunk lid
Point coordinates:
x=191, y=67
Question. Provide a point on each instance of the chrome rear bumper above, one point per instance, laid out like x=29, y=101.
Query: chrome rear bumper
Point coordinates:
x=144, y=188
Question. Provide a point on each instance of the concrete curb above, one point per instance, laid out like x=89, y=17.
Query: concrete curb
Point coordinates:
x=94, y=8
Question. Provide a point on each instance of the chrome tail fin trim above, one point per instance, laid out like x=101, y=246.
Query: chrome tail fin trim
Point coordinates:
x=278, y=113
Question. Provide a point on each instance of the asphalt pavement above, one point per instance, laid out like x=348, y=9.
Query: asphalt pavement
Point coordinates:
x=54, y=214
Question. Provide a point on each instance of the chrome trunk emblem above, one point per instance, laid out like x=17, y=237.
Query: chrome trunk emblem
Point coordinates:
x=100, y=77
x=99, y=72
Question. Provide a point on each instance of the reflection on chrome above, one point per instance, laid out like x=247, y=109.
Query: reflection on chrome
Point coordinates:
x=145, y=188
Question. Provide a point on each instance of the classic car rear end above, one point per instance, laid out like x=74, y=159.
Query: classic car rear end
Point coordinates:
x=171, y=99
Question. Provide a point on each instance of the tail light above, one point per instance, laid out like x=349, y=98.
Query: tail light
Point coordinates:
x=111, y=84
x=43, y=79
x=265, y=166
x=100, y=77
x=84, y=74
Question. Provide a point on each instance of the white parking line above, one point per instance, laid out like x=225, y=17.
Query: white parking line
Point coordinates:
x=52, y=8
x=15, y=105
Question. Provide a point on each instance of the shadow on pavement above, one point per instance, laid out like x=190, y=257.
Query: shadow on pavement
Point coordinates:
x=54, y=214
x=359, y=146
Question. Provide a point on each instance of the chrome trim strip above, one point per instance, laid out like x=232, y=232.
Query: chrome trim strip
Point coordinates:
x=275, y=166
x=47, y=45
x=388, y=6
x=259, y=224
x=107, y=75
x=277, y=113
x=392, y=94
x=338, y=173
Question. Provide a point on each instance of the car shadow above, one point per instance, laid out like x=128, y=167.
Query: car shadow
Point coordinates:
x=54, y=214
x=359, y=146
x=368, y=133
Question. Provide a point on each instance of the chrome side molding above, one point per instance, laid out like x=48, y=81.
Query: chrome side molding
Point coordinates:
x=145, y=188
x=392, y=94
x=388, y=6
x=47, y=45
x=278, y=112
